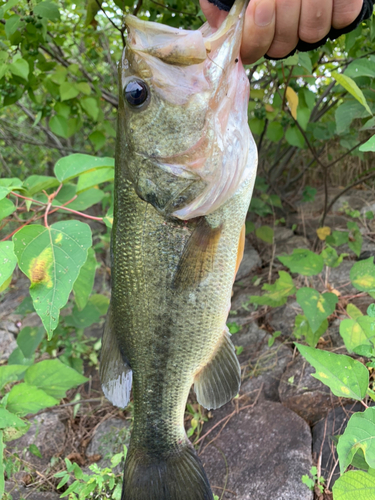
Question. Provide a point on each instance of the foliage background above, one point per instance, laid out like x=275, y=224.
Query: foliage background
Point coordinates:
x=312, y=118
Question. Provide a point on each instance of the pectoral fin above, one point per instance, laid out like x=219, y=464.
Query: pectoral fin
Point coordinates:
x=219, y=381
x=198, y=256
x=115, y=373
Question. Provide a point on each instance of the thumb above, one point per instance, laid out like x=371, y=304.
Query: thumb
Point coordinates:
x=213, y=14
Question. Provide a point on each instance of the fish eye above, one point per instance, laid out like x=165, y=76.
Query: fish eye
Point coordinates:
x=136, y=93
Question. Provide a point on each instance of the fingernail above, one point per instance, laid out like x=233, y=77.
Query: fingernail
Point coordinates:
x=264, y=12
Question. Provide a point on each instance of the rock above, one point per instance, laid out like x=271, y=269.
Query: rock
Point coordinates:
x=109, y=439
x=340, y=276
x=19, y=492
x=241, y=309
x=282, y=233
x=266, y=448
x=7, y=344
x=287, y=246
x=282, y=318
x=47, y=432
x=250, y=261
x=368, y=208
x=266, y=371
x=250, y=337
x=304, y=394
x=333, y=425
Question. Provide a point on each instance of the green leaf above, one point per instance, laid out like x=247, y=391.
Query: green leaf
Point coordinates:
x=90, y=179
x=54, y=377
x=20, y=67
x=68, y=91
x=346, y=377
x=303, y=261
x=7, y=6
x=275, y=132
x=97, y=306
x=346, y=113
x=24, y=398
x=59, y=126
x=338, y=238
x=352, y=88
x=35, y=451
x=93, y=8
x=353, y=311
x=17, y=358
x=305, y=61
x=294, y=137
x=331, y=258
x=8, y=260
x=277, y=293
x=51, y=257
x=302, y=329
x=6, y=208
x=98, y=139
x=356, y=239
x=83, y=285
x=356, y=332
x=49, y=10
x=265, y=233
x=362, y=276
x=90, y=105
x=71, y=166
x=354, y=485
x=84, y=87
x=11, y=373
x=29, y=338
x=250, y=226
x=87, y=199
x=8, y=419
x=37, y=183
x=369, y=145
x=11, y=25
x=358, y=435
x=361, y=67
x=317, y=307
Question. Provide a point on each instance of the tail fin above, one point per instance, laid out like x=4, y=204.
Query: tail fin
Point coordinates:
x=178, y=476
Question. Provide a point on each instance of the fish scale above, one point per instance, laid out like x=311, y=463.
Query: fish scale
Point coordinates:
x=172, y=277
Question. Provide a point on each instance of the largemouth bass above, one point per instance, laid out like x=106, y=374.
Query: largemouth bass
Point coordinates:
x=185, y=169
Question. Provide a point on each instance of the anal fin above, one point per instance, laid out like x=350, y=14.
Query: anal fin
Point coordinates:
x=219, y=381
x=115, y=373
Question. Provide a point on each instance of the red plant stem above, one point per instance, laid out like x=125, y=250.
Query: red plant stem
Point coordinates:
x=61, y=207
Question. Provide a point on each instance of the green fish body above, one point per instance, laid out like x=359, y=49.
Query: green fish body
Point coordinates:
x=185, y=169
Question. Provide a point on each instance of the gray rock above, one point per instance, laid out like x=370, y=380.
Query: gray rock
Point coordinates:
x=333, y=337
x=304, y=394
x=241, y=310
x=324, y=449
x=250, y=261
x=287, y=246
x=282, y=233
x=47, y=432
x=339, y=277
x=251, y=337
x=7, y=344
x=282, y=318
x=261, y=454
x=19, y=492
x=368, y=208
x=109, y=439
x=266, y=371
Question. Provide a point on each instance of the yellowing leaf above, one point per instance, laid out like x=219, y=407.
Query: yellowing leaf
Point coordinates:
x=323, y=232
x=292, y=98
x=352, y=88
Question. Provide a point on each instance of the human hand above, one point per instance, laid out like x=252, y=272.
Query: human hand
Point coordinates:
x=273, y=27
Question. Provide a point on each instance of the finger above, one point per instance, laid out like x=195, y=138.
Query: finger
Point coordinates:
x=344, y=12
x=213, y=14
x=315, y=20
x=286, y=29
x=259, y=30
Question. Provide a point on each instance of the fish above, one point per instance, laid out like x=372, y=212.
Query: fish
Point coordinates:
x=185, y=168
